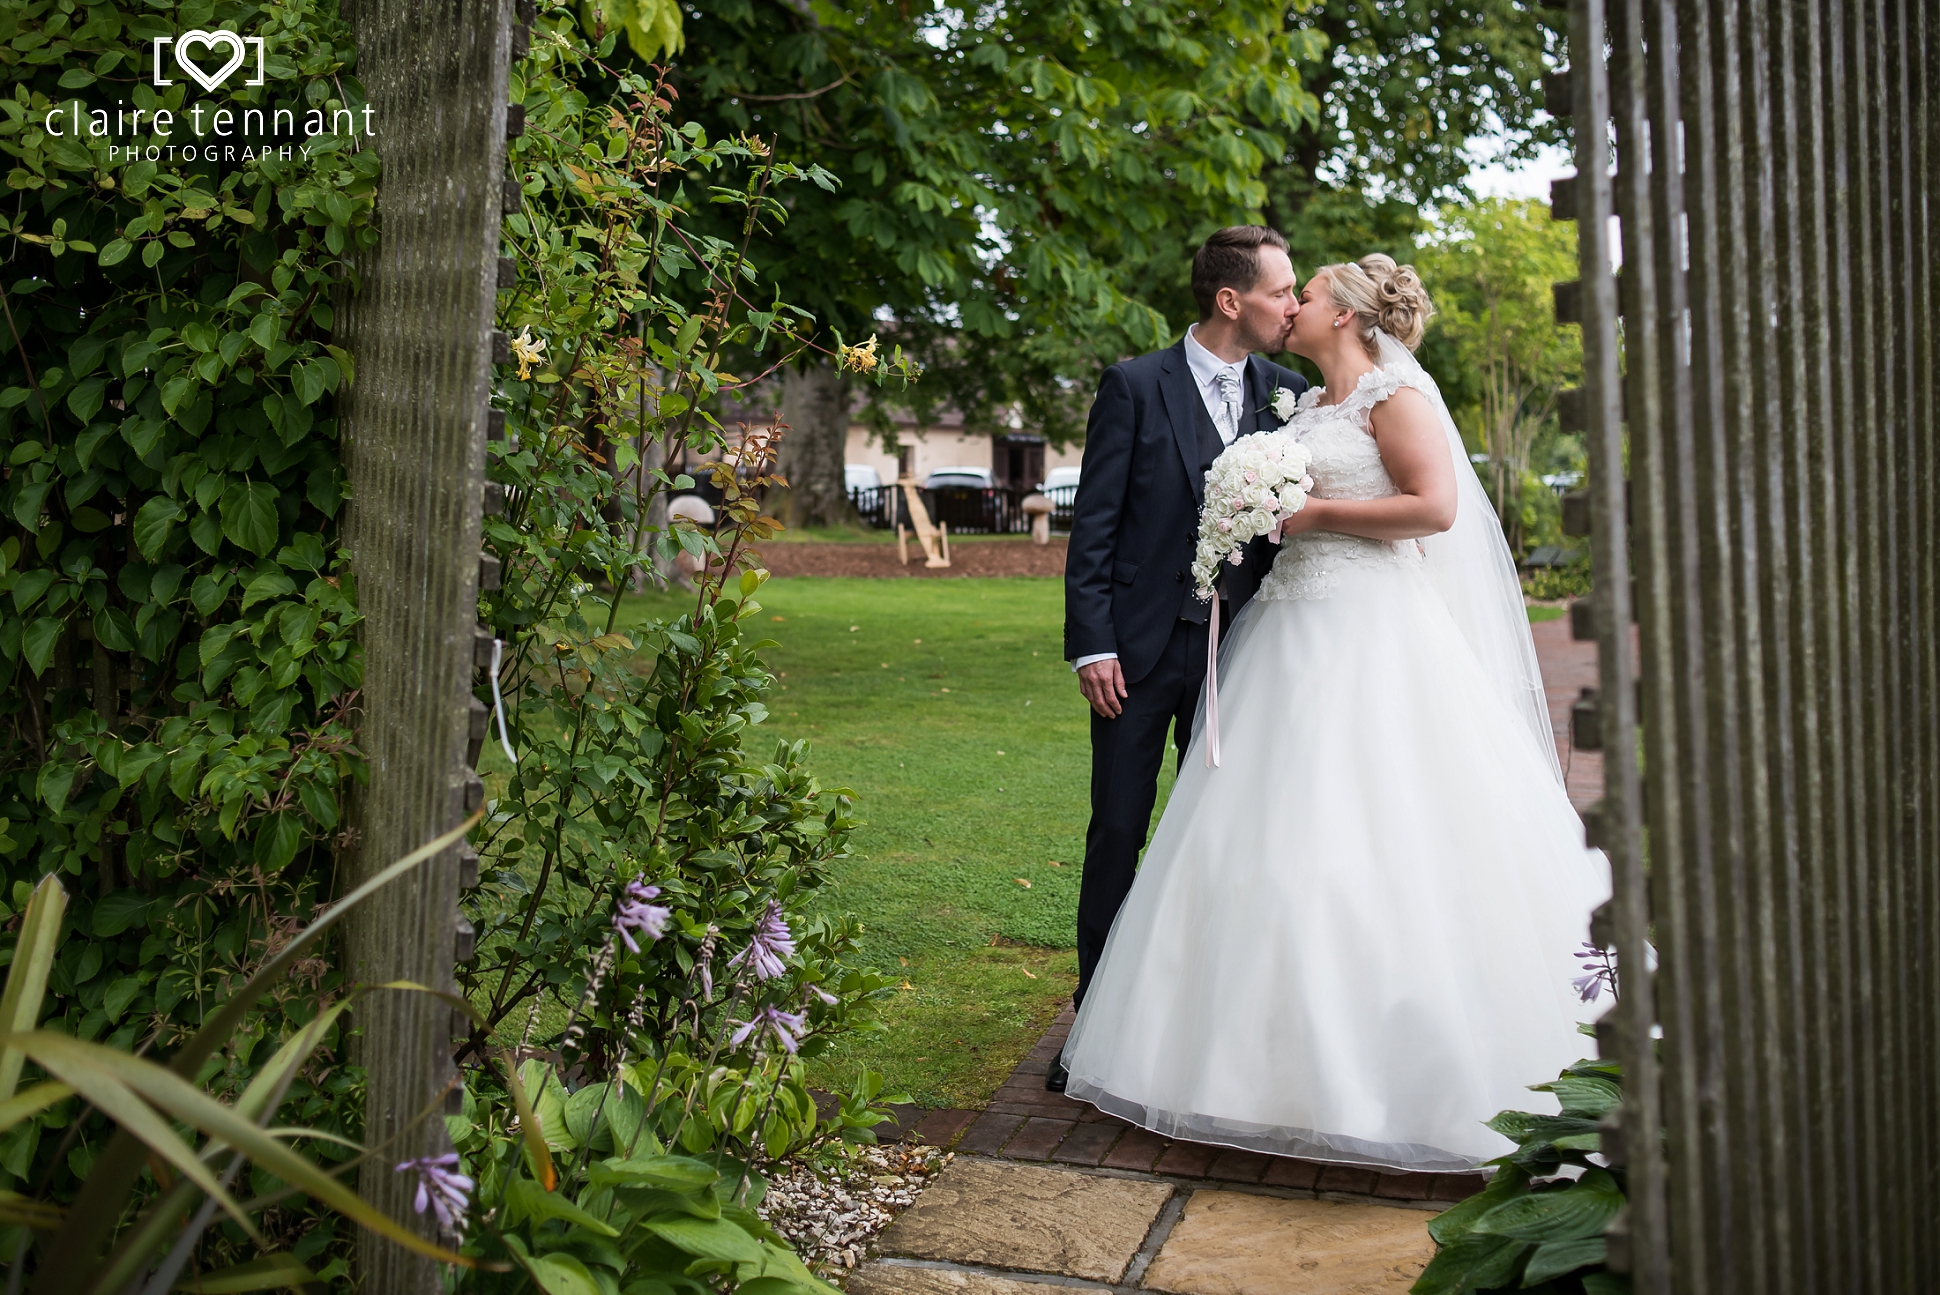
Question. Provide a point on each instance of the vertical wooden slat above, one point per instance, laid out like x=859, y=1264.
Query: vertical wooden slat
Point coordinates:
x=414, y=428
x=1784, y=482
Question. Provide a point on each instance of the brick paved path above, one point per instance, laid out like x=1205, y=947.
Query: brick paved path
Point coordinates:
x=1568, y=668
x=1025, y=1122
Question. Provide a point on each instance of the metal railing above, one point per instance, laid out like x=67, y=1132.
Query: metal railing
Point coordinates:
x=1776, y=412
x=966, y=510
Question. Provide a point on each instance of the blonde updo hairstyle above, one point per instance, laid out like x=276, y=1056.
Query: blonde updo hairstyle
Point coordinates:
x=1383, y=296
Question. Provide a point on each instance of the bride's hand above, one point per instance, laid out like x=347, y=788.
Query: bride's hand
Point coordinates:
x=1309, y=518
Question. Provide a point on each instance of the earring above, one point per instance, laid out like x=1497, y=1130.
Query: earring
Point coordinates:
x=1337, y=323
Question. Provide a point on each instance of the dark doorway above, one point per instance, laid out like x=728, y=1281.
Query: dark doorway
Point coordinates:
x=1017, y=461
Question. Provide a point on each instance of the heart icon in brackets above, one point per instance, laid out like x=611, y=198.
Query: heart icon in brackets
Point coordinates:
x=209, y=40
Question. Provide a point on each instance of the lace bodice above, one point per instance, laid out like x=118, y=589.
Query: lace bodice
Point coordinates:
x=1346, y=464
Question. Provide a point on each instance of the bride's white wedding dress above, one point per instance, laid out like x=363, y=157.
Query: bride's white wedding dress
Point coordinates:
x=1353, y=940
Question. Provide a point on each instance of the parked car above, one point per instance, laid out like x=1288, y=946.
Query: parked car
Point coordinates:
x=1058, y=478
x=959, y=479
x=860, y=476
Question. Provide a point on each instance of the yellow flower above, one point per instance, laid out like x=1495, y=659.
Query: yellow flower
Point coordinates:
x=860, y=358
x=529, y=353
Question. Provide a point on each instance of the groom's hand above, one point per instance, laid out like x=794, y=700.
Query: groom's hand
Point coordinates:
x=1103, y=685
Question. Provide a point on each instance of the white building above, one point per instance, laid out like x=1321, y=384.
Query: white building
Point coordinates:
x=1014, y=458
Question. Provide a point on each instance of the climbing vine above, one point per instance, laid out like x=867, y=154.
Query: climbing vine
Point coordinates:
x=178, y=666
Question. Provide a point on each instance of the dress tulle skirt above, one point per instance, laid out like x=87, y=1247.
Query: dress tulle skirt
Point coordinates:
x=1353, y=941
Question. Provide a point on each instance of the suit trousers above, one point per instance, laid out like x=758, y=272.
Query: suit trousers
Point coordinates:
x=1125, y=756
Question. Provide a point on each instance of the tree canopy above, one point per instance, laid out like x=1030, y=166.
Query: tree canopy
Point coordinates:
x=1023, y=186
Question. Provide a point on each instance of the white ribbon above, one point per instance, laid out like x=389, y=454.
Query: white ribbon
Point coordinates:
x=498, y=702
x=1212, y=686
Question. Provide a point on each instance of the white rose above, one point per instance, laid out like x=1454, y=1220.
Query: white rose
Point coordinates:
x=1284, y=403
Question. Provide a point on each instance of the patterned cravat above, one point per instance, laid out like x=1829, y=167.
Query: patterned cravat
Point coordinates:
x=1229, y=398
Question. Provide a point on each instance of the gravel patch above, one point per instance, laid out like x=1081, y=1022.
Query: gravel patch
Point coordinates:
x=833, y=1211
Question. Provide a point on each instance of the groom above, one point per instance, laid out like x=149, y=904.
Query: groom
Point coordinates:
x=1133, y=631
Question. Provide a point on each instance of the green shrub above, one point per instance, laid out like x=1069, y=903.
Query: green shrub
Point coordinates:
x=1532, y=1228
x=177, y=652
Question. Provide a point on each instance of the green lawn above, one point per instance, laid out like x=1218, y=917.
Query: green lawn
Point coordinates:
x=945, y=705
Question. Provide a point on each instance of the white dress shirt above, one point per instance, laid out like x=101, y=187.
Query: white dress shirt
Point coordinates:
x=1207, y=369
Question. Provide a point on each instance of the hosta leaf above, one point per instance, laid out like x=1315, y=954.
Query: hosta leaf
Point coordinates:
x=1470, y=1263
x=1560, y=1257
x=526, y=1199
x=1566, y=1214
x=556, y=1273
x=1584, y=1096
x=708, y=1238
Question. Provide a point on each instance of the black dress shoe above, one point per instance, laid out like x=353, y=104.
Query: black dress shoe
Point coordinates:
x=1056, y=1078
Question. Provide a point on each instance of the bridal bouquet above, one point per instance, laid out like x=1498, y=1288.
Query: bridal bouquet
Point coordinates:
x=1255, y=485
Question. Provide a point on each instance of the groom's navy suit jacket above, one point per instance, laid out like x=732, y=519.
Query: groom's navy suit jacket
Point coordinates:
x=1128, y=572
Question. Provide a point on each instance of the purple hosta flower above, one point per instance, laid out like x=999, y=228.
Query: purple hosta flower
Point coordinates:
x=771, y=943
x=1603, y=973
x=636, y=914
x=822, y=994
x=441, y=1189
x=785, y=1026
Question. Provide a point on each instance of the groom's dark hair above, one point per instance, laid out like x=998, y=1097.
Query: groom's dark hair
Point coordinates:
x=1230, y=258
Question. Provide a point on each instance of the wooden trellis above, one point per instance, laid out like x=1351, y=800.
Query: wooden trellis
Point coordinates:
x=1764, y=460
x=415, y=428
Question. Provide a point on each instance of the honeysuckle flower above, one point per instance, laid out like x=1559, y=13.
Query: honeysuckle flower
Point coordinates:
x=771, y=943
x=441, y=1189
x=529, y=351
x=636, y=914
x=860, y=358
x=786, y=1027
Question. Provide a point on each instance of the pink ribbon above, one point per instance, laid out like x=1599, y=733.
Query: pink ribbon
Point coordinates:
x=1212, y=686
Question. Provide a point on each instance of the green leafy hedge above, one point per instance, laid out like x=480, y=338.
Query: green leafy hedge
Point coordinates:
x=177, y=656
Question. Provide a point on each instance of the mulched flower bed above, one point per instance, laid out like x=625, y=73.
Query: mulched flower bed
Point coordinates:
x=832, y=1213
x=992, y=557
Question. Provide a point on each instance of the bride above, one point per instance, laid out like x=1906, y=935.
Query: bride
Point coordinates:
x=1352, y=941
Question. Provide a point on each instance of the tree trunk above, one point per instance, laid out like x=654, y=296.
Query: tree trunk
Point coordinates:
x=414, y=450
x=815, y=405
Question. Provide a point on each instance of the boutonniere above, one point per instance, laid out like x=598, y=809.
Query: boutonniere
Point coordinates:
x=1284, y=403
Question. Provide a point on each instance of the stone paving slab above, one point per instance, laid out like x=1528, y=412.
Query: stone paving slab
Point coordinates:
x=1029, y=1218
x=900, y=1279
x=1233, y=1243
